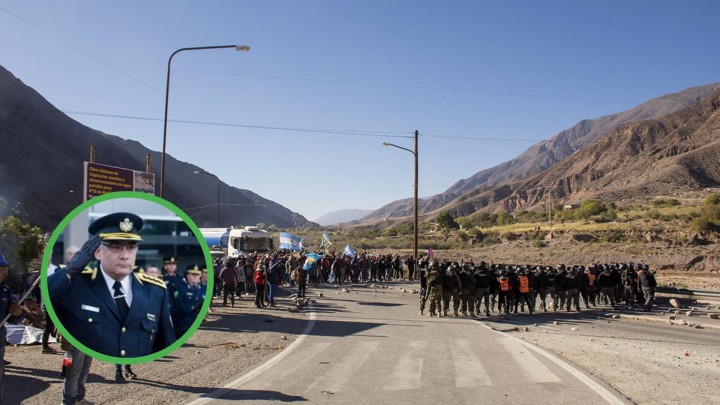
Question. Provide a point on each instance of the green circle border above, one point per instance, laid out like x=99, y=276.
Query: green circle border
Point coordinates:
x=47, y=255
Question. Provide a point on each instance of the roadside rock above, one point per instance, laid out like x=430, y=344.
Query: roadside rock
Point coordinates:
x=675, y=303
x=713, y=316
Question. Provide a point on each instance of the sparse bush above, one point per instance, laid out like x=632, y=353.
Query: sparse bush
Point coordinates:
x=703, y=223
x=713, y=199
x=613, y=236
x=666, y=203
x=539, y=243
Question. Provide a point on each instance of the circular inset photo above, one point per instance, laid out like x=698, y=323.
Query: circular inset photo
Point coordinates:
x=128, y=277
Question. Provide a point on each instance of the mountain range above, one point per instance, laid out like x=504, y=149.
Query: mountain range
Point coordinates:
x=341, y=216
x=643, y=135
x=42, y=167
x=666, y=145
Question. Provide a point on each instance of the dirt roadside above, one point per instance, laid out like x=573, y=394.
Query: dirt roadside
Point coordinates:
x=233, y=340
x=647, y=357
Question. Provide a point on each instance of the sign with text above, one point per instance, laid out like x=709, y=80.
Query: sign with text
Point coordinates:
x=102, y=179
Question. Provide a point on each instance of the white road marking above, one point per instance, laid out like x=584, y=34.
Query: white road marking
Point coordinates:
x=408, y=371
x=532, y=366
x=469, y=370
x=607, y=395
x=259, y=369
x=344, y=369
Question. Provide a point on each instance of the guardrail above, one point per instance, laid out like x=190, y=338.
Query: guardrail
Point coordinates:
x=684, y=291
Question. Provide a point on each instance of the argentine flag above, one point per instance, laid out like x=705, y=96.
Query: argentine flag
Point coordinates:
x=326, y=240
x=311, y=258
x=290, y=242
x=349, y=251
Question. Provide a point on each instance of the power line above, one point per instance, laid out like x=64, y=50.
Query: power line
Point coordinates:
x=88, y=54
x=418, y=87
x=378, y=134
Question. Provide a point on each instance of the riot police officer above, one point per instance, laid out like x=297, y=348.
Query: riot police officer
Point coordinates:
x=452, y=284
x=434, y=287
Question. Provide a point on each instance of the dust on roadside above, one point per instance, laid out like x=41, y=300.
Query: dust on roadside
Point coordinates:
x=231, y=341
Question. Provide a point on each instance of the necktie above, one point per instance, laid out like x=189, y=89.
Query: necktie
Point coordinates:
x=120, y=301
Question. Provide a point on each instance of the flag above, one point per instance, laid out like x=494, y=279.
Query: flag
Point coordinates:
x=302, y=246
x=290, y=242
x=311, y=258
x=325, y=240
x=431, y=254
x=349, y=251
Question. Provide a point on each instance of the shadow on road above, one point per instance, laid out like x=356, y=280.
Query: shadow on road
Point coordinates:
x=250, y=395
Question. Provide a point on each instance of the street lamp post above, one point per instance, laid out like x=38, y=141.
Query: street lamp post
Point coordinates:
x=218, y=192
x=415, y=230
x=243, y=48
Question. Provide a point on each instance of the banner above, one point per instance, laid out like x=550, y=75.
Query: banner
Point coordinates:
x=290, y=242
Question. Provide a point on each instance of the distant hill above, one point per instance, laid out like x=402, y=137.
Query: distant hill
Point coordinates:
x=341, y=216
x=44, y=149
x=539, y=157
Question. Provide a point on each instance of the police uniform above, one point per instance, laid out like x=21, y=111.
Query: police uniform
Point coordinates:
x=171, y=281
x=86, y=308
x=187, y=300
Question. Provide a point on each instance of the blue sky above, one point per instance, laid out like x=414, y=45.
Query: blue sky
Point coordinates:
x=481, y=80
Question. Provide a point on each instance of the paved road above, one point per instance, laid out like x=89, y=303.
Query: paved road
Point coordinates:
x=370, y=346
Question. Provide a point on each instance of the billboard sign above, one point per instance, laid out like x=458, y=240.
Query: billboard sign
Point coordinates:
x=102, y=179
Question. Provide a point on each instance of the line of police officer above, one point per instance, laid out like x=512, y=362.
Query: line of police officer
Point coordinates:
x=472, y=287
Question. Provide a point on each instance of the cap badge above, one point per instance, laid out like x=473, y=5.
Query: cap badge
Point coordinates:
x=126, y=225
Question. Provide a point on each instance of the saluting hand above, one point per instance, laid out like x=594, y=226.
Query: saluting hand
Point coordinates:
x=85, y=255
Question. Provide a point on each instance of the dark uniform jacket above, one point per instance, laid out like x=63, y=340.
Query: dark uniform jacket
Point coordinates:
x=85, y=307
x=187, y=302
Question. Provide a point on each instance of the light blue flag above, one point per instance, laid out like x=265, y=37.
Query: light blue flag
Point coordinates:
x=290, y=242
x=326, y=240
x=311, y=258
x=349, y=251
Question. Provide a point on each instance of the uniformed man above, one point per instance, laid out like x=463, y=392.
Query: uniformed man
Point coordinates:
x=434, y=287
x=452, y=285
x=482, y=288
x=187, y=299
x=170, y=275
x=422, y=267
x=8, y=306
x=107, y=307
x=467, y=292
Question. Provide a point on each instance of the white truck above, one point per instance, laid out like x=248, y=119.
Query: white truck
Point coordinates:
x=237, y=241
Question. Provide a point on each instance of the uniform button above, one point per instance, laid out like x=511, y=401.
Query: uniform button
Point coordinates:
x=90, y=320
x=122, y=353
x=123, y=330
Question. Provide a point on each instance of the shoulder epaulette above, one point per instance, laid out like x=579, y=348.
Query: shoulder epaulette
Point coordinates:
x=92, y=272
x=144, y=278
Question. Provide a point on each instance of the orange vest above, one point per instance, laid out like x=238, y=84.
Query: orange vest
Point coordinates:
x=504, y=284
x=592, y=278
x=524, y=287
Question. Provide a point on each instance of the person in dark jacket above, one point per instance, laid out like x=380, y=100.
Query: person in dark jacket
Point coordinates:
x=647, y=284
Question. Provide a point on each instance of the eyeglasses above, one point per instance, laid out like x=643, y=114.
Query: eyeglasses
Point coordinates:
x=119, y=247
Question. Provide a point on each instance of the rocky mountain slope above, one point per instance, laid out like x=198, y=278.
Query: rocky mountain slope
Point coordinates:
x=42, y=166
x=545, y=154
x=672, y=154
